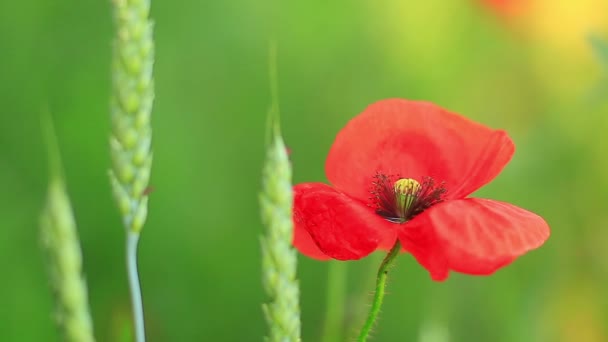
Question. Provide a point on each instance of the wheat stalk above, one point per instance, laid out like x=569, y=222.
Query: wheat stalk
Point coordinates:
x=130, y=142
x=279, y=258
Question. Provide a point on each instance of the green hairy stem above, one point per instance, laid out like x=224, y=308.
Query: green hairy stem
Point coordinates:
x=380, y=291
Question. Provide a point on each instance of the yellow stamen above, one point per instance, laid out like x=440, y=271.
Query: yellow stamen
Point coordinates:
x=407, y=185
x=406, y=190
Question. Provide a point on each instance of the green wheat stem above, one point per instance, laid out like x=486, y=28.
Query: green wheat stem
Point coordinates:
x=380, y=291
x=135, y=289
x=279, y=258
x=131, y=138
x=63, y=255
x=336, y=294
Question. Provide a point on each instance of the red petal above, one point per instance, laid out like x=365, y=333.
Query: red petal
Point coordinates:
x=341, y=227
x=413, y=140
x=305, y=244
x=474, y=236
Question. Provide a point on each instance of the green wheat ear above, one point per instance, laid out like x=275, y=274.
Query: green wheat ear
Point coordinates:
x=131, y=108
x=279, y=258
x=62, y=250
x=131, y=138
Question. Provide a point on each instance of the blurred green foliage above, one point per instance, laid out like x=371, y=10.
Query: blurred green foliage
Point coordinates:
x=199, y=252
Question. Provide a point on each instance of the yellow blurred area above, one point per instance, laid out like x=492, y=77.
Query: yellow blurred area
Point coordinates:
x=555, y=34
x=562, y=23
x=558, y=33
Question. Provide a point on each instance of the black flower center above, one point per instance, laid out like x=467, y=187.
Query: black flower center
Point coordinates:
x=399, y=199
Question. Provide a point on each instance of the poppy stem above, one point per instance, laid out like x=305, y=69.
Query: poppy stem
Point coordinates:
x=379, y=293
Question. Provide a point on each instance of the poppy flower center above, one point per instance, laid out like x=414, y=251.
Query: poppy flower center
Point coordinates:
x=399, y=200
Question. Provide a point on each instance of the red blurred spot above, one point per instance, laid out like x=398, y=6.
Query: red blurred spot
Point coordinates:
x=148, y=190
x=507, y=7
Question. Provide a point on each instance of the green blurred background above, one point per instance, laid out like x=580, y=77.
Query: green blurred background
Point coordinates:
x=524, y=66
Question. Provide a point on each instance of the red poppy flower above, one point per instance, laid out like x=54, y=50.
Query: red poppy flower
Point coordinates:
x=402, y=171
